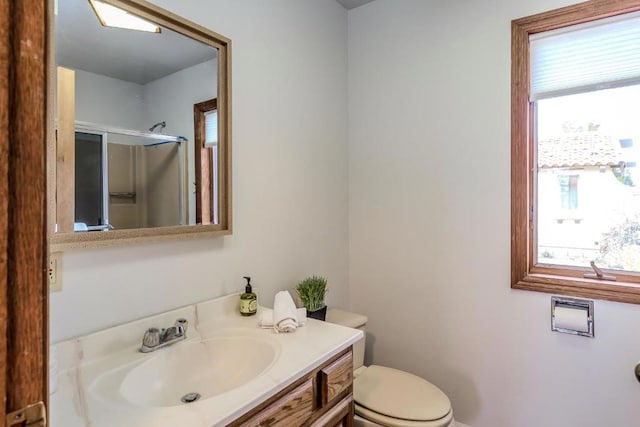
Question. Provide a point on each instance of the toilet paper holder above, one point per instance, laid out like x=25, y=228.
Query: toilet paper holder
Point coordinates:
x=573, y=325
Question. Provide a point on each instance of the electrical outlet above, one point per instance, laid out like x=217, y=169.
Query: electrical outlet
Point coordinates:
x=55, y=271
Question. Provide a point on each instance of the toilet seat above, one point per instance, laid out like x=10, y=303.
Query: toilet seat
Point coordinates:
x=395, y=398
x=384, y=420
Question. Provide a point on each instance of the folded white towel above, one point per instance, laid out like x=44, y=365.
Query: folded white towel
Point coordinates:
x=266, y=317
x=285, y=313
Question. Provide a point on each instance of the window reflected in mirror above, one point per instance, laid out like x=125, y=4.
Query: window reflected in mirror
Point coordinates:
x=206, y=153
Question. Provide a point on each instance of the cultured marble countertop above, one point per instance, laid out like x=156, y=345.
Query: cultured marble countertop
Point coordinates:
x=90, y=368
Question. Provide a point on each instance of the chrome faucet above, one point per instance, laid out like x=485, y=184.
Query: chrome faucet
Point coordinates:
x=155, y=338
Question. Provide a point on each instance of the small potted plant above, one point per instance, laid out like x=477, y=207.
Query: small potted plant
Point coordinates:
x=312, y=291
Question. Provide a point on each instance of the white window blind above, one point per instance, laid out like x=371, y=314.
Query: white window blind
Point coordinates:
x=586, y=57
x=211, y=128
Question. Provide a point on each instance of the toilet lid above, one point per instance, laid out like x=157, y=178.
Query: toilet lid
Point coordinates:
x=399, y=394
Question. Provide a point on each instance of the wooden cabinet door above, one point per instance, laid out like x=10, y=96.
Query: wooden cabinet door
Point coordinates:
x=23, y=233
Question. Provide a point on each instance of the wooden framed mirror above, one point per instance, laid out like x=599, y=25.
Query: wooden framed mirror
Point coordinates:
x=132, y=155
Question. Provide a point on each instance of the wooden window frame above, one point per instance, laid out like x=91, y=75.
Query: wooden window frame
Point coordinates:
x=204, y=164
x=525, y=274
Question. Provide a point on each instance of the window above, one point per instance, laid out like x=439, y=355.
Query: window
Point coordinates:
x=568, y=192
x=208, y=162
x=211, y=128
x=575, y=91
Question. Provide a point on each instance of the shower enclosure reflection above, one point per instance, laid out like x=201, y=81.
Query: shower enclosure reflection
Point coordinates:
x=127, y=179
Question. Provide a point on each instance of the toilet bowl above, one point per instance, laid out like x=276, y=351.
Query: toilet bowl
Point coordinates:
x=389, y=397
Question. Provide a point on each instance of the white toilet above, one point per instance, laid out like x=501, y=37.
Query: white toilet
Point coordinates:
x=389, y=397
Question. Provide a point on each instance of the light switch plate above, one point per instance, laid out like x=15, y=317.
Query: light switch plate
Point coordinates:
x=55, y=271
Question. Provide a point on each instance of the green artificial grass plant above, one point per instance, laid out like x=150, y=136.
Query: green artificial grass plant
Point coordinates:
x=312, y=291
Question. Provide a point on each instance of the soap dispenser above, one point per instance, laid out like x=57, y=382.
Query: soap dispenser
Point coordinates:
x=248, y=300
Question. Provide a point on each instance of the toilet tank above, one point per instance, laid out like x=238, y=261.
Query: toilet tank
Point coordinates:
x=350, y=320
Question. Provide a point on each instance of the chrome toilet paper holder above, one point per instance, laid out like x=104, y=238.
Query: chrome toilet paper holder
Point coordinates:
x=575, y=304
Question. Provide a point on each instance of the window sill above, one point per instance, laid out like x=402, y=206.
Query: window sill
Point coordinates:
x=580, y=287
x=574, y=220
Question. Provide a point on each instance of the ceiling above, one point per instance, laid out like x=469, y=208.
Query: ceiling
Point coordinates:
x=135, y=56
x=351, y=4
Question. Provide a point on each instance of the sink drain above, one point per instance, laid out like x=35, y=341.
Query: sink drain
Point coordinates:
x=190, y=397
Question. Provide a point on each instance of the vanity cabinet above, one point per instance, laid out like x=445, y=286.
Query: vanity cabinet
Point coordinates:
x=322, y=397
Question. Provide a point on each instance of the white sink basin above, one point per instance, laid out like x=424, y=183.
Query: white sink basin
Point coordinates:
x=206, y=368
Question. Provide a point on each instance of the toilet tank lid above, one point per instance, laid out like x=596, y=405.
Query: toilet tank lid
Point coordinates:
x=346, y=318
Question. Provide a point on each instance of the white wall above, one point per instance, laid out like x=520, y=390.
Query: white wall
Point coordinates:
x=171, y=98
x=108, y=101
x=429, y=226
x=289, y=177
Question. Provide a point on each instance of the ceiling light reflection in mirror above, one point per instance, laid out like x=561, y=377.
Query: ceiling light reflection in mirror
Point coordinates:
x=111, y=16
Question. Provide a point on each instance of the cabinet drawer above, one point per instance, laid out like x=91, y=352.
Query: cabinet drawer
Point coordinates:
x=336, y=378
x=341, y=415
x=292, y=409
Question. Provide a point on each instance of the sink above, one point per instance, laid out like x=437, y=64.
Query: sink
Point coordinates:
x=191, y=371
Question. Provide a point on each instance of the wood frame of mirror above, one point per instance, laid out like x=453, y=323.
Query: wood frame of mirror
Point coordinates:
x=69, y=240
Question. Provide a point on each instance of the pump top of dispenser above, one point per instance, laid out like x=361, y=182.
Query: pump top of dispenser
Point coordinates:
x=247, y=289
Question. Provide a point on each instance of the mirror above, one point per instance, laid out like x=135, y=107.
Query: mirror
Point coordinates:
x=141, y=146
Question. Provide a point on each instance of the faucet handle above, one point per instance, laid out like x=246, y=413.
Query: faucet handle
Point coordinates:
x=151, y=338
x=181, y=326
